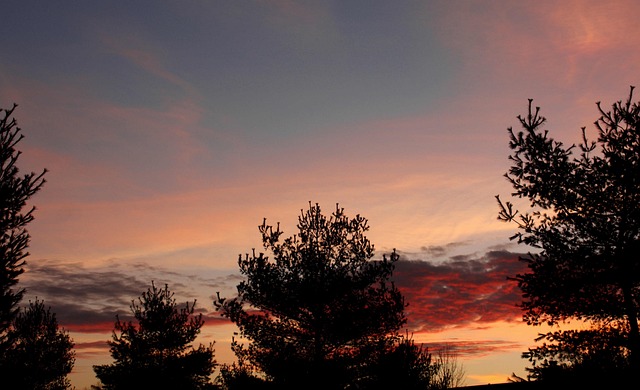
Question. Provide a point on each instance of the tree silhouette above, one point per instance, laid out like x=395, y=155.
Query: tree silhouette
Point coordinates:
x=38, y=354
x=321, y=310
x=153, y=353
x=15, y=190
x=584, y=224
x=407, y=365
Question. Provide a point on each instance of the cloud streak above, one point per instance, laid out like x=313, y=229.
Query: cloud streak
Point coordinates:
x=473, y=348
x=461, y=291
x=86, y=300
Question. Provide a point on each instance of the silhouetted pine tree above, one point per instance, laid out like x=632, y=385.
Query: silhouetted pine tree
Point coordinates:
x=38, y=354
x=321, y=310
x=155, y=353
x=584, y=224
x=15, y=190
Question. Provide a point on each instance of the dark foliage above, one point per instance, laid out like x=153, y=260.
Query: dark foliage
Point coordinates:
x=39, y=354
x=584, y=224
x=573, y=356
x=320, y=311
x=154, y=353
x=403, y=366
x=242, y=374
x=15, y=190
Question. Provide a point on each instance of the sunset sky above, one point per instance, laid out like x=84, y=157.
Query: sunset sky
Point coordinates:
x=171, y=129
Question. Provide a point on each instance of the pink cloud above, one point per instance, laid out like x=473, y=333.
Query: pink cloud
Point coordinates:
x=565, y=55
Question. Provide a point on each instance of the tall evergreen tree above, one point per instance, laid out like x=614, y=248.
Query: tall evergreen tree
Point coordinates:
x=584, y=224
x=154, y=353
x=15, y=190
x=38, y=354
x=321, y=310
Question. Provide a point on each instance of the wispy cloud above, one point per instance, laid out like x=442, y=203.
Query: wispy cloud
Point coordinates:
x=436, y=251
x=473, y=348
x=87, y=300
x=91, y=349
x=142, y=54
